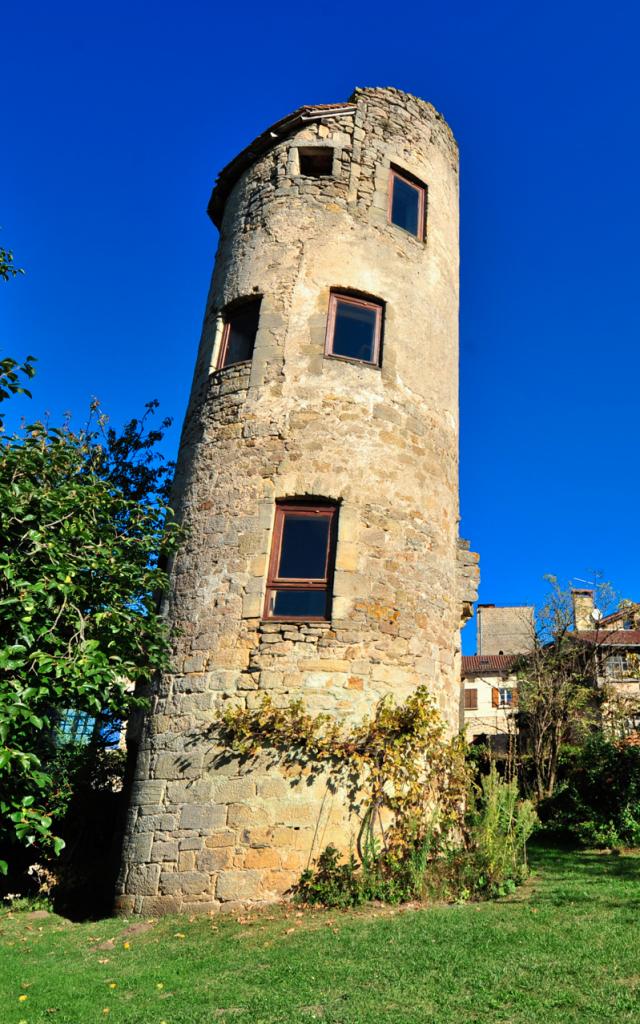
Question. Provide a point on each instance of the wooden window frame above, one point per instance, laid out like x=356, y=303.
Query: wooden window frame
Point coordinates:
x=421, y=189
x=471, y=699
x=353, y=300
x=324, y=584
x=227, y=317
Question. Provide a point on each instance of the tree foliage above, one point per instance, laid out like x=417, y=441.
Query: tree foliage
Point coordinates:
x=85, y=525
x=7, y=267
x=557, y=697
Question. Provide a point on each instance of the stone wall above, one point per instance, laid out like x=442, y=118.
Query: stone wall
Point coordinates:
x=205, y=832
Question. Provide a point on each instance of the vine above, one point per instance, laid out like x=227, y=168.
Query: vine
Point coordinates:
x=402, y=777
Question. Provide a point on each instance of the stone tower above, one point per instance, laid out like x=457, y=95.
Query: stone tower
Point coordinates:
x=318, y=481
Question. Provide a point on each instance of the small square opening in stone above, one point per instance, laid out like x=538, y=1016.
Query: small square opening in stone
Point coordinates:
x=316, y=162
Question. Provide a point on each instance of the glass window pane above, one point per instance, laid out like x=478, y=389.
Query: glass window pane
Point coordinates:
x=354, y=331
x=75, y=726
x=405, y=206
x=242, y=330
x=303, y=554
x=303, y=603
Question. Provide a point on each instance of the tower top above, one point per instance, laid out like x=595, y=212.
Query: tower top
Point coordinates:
x=281, y=129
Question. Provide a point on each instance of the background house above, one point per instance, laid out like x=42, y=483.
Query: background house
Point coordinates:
x=617, y=641
x=489, y=686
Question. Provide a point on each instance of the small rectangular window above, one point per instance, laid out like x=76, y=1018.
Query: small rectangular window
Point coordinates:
x=316, y=162
x=506, y=696
x=407, y=204
x=471, y=700
x=353, y=329
x=239, y=334
x=301, y=565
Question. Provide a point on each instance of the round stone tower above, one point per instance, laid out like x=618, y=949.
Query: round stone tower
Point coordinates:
x=318, y=482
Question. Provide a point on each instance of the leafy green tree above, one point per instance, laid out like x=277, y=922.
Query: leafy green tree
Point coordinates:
x=7, y=268
x=557, y=696
x=85, y=527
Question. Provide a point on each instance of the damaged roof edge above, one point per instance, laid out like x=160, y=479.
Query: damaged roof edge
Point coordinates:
x=275, y=133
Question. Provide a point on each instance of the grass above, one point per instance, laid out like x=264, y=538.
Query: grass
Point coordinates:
x=565, y=949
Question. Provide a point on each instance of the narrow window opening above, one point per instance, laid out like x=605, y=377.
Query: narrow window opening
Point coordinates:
x=302, y=560
x=316, y=163
x=354, y=329
x=407, y=204
x=239, y=334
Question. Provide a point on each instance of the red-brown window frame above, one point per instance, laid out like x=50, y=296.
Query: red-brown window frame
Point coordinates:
x=421, y=189
x=275, y=582
x=227, y=316
x=353, y=300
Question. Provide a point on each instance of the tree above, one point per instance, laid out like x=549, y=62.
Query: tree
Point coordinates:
x=557, y=698
x=85, y=526
x=7, y=269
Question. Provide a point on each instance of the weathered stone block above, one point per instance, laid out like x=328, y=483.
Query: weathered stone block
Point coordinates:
x=204, y=817
x=234, y=790
x=239, y=885
x=211, y=860
x=142, y=879
x=164, y=851
x=249, y=815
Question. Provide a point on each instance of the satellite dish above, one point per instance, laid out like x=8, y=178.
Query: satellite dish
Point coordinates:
x=596, y=615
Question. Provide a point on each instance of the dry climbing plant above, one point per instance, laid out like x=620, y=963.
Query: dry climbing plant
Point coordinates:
x=402, y=776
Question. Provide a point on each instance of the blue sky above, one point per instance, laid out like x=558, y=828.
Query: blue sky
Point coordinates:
x=116, y=119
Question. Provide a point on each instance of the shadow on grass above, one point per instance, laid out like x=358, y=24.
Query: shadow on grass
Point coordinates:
x=610, y=881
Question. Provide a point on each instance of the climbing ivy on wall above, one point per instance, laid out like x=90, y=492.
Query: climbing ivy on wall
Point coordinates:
x=402, y=775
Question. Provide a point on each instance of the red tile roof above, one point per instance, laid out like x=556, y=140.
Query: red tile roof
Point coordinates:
x=612, y=637
x=487, y=664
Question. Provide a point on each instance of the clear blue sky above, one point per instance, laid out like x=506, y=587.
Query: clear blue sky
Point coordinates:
x=116, y=119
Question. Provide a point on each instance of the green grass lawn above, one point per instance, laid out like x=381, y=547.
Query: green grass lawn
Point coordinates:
x=566, y=949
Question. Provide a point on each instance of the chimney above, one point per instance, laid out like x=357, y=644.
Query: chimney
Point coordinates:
x=582, y=609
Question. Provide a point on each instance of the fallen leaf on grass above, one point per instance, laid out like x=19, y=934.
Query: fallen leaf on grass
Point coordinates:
x=180, y=935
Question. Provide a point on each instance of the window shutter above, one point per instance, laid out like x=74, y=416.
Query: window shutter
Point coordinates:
x=495, y=696
x=514, y=697
x=471, y=700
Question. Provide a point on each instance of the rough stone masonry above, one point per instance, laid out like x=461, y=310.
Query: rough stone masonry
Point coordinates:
x=378, y=439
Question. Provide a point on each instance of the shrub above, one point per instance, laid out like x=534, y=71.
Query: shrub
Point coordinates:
x=598, y=800
x=486, y=860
